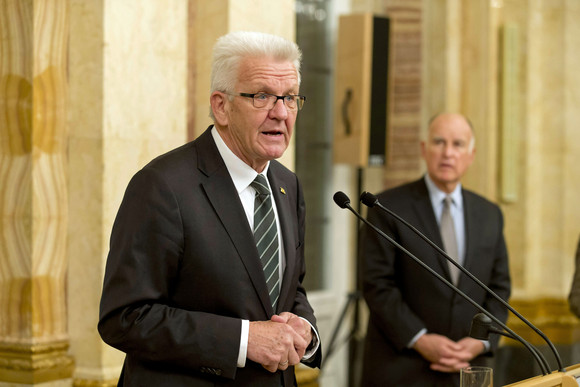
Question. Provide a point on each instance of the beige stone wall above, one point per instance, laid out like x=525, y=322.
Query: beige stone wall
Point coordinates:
x=465, y=70
x=128, y=75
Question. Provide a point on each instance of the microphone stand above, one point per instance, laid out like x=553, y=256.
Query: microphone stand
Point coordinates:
x=353, y=299
x=481, y=328
x=343, y=201
x=371, y=200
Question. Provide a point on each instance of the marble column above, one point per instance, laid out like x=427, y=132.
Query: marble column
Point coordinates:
x=34, y=211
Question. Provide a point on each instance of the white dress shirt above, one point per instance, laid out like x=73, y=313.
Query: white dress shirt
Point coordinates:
x=243, y=175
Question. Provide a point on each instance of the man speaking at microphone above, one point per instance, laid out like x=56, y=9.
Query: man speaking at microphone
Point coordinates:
x=203, y=284
x=418, y=330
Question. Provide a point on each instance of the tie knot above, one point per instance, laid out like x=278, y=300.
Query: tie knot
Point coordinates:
x=260, y=184
x=447, y=201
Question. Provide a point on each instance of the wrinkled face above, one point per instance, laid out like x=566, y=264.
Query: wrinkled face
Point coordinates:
x=258, y=135
x=447, y=151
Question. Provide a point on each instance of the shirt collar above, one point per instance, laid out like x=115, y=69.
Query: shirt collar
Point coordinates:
x=242, y=174
x=437, y=196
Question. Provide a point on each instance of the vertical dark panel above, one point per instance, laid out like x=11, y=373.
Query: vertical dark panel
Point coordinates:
x=378, y=121
x=313, y=131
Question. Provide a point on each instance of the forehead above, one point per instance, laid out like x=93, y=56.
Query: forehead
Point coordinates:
x=267, y=71
x=453, y=127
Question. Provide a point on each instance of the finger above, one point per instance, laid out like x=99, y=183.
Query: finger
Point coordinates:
x=270, y=367
x=464, y=356
x=448, y=365
x=294, y=356
x=440, y=368
x=283, y=365
x=300, y=346
x=453, y=346
x=287, y=315
x=279, y=319
x=301, y=327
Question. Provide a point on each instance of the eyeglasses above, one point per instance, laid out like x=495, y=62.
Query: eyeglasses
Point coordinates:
x=268, y=101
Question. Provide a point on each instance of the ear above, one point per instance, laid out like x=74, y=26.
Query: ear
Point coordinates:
x=218, y=102
x=472, y=156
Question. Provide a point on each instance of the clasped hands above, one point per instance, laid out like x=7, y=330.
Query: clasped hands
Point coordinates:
x=446, y=355
x=280, y=342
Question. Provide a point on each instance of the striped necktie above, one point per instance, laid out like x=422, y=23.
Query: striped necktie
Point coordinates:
x=266, y=236
x=449, y=239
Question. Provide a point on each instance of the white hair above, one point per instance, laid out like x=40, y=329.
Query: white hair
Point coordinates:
x=230, y=49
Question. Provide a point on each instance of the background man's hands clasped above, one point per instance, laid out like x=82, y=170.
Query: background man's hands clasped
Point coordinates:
x=280, y=342
x=446, y=355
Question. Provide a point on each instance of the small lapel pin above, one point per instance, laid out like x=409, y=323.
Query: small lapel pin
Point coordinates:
x=283, y=191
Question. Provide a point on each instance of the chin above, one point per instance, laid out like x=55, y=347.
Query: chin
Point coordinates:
x=275, y=153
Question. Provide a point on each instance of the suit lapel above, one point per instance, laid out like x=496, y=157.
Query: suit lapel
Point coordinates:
x=284, y=216
x=426, y=217
x=471, y=215
x=224, y=199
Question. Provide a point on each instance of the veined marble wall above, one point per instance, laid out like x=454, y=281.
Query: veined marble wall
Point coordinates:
x=33, y=194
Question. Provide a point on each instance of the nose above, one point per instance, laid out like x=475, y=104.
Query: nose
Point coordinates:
x=448, y=150
x=279, y=111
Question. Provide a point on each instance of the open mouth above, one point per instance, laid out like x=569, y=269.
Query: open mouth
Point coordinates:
x=273, y=133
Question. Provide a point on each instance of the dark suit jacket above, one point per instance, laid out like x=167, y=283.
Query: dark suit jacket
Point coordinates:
x=183, y=271
x=404, y=298
x=574, y=296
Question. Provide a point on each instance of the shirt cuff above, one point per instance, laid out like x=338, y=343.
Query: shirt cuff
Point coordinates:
x=486, y=346
x=314, y=344
x=243, y=353
x=416, y=337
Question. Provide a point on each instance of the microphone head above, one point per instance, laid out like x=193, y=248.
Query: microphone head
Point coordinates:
x=368, y=199
x=480, y=327
x=341, y=199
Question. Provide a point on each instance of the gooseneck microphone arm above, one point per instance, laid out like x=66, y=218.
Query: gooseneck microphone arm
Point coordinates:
x=371, y=200
x=481, y=327
x=342, y=200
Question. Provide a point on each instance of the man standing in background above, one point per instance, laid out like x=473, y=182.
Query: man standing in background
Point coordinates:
x=418, y=327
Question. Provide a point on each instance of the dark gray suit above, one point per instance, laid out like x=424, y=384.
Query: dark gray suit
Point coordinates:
x=183, y=271
x=404, y=298
x=574, y=296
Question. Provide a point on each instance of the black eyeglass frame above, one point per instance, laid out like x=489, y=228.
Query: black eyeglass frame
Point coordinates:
x=300, y=99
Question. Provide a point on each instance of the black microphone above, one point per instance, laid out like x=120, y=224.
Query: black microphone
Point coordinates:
x=481, y=327
x=342, y=200
x=371, y=200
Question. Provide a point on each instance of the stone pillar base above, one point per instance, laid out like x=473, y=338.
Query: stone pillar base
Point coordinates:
x=94, y=383
x=306, y=377
x=36, y=363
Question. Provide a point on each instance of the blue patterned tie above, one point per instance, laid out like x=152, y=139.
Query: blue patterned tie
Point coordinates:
x=266, y=236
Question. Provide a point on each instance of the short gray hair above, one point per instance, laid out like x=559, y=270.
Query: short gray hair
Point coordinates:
x=230, y=49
